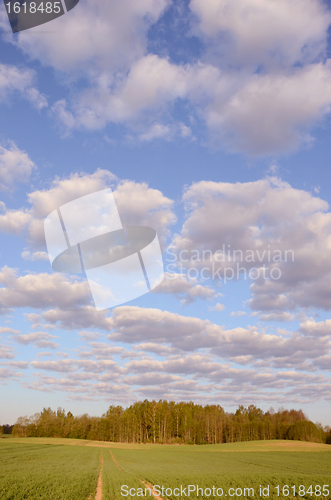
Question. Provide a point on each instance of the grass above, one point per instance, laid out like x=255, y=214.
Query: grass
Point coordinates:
x=233, y=465
x=40, y=471
x=68, y=469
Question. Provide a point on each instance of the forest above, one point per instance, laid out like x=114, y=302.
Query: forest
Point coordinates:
x=171, y=423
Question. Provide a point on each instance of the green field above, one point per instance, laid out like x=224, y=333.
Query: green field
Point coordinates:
x=51, y=469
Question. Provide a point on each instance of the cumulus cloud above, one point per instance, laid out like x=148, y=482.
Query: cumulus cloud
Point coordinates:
x=263, y=32
x=37, y=322
x=138, y=204
x=44, y=354
x=151, y=83
x=167, y=132
x=34, y=256
x=71, y=365
x=271, y=113
x=62, y=191
x=283, y=316
x=83, y=317
x=137, y=325
x=104, y=37
x=316, y=328
x=14, y=221
x=260, y=86
x=24, y=365
x=9, y=374
x=6, y=353
x=13, y=79
x=281, y=232
x=63, y=365
x=15, y=166
x=259, y=114
x=41, y=291
x=43, y=202
x=280, y=86
x=5, y=329
x=202, y=376
x=182, y=287
x=101, y=350
x=39, y=339
x=218, y=307
x=274, y=235
x=88, y=336
x=238, y=313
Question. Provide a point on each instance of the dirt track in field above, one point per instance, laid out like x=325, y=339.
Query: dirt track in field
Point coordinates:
x=148, y=485
x=98, y=495
x=145, y=483
x=112, y=456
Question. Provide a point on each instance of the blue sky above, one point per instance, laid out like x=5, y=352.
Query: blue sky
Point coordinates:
x=210, y=122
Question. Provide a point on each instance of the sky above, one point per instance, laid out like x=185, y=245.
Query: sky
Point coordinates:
x=210, y=121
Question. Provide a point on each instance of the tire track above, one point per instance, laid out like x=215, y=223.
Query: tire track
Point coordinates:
x=112, y=456
x=148, y=485
x=145, y=483
x=98, y=495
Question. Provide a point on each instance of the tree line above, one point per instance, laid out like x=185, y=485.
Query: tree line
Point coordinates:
x=170, y=422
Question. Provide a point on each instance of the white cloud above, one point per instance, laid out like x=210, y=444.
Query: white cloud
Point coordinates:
x=15, y=166
x=238, y=313
x=137, y=325
x=9, y=374
x=103, y=37
x=186, y=289
x=39, y=339
x=71, y=365
x=61, y=365
x=138, y=204
x=196, y=360
x=258, y=114
x=24, y=365
x=157, y=131
x=35, y=256
x=150, y=85
x=320, y=328
x=101, y=350
x=255, y=32
x=6, y=353
x=134, y=324
x=14, y=221
x=88, y=336
x=84, y=317
x=271, y=113
x=5, y=329
x=263, y=223
x=13, y=79
x=217, y=307
x=283, y=316
x=62, y=191
x=166, y=132
x=41, y=291
x=260, y=86
x=44, y=354
x=37, y=322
